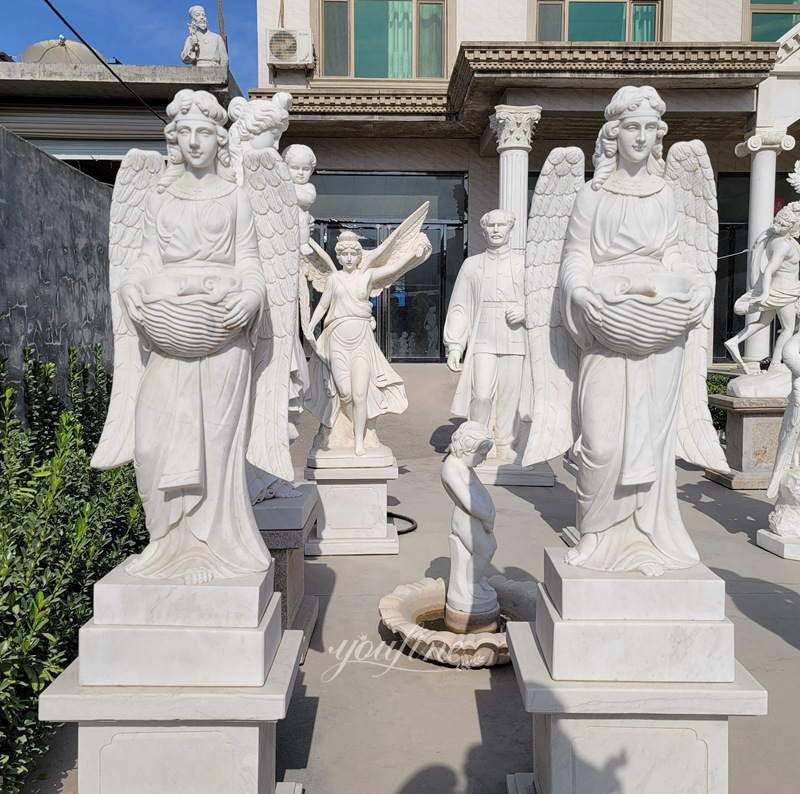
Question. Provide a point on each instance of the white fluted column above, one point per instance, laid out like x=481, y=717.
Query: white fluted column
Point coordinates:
x=514, y=125
x=763, y=148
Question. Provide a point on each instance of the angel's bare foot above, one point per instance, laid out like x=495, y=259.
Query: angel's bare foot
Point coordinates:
x=651, y=568
x=197, y=576
x=733, y=349
x=360, y=448
x=286, y=491
x=583, y=550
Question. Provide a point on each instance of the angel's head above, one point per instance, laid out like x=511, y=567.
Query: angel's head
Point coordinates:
x=633, y=131
x=349, y=251
x=301, y=161
x=259, y=123
x=471, y=442
x=196, y=136
x=787, y=221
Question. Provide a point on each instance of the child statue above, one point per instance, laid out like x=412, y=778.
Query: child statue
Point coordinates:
x=302, y=162
x=471, y=603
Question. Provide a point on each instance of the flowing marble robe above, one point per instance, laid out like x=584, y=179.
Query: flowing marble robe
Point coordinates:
x=192, y=414
x=346, y=337
x=628, y=404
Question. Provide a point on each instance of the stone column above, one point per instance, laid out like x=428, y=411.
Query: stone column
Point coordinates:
x=763, y=148
x=513, y=125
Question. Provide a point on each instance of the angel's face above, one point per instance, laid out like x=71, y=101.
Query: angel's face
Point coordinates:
x=197, y=141
x=301, y=169
x=349, y=257
x=638, y=134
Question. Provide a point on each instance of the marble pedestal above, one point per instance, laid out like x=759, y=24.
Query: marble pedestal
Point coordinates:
x=286, y=525
x=788, y=548
x=608, y=713
x=499, y=472
x=752, y=440
x=351, y=517
x=177, y=688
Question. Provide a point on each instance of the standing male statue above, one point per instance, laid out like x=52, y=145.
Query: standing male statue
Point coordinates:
x=486, y=318
x=203, y=47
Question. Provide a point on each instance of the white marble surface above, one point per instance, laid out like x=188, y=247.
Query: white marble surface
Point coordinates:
x=497, y=472
x=788, y=548
x=172, y=656
x=760, y=385
x=492, y=20
x=343, y=545
x=582, y=594
x=353, y=473
x=124, y=600
x=634, y=650
x=338, y=458
x=287, y=513
x=706, y=20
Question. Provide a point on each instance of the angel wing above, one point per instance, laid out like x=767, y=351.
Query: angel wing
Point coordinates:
x=269, y=187
x=790, y=426
x=316, y=266
x=137, y=178
x=405, y=238
x=553, y=353
x=689, y=173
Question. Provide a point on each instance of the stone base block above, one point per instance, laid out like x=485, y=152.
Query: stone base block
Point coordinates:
x=177, y=740
x=339, y=458
x=305, y=620
x=352, y=511
x=633, y=650
x=499, y=472
x=581, y=594
x=740, y=480
x=124, y=600
x=289, y=788
x=286, y=514
x=788, y=548
x=521, y=783
x=180, y=656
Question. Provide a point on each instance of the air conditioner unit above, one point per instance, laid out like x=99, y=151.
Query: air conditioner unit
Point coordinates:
x=290, y=49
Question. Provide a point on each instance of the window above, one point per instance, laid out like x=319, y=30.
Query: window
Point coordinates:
x=398, y=39
x=598, y=20
x=770, y=19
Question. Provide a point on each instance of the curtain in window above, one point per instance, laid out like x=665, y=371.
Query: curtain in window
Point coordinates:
x=644, y=22
x=400, y=38
x=430, y=40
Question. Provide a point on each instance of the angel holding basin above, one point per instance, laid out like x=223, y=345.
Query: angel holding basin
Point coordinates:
x=347, y=370
x=623, y=314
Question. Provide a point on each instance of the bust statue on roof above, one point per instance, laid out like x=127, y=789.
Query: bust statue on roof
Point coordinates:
x=203, y=47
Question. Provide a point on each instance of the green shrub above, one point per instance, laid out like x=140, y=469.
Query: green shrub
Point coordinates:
x=718, y=384
x=63, y=525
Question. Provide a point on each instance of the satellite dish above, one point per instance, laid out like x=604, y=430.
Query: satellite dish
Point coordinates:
x=61, y=51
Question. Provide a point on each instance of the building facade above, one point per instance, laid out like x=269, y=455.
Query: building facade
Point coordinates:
x=398, y=98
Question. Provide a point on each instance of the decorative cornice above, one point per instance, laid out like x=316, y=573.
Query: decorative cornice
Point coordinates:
x=513, y=125
x=770, y=140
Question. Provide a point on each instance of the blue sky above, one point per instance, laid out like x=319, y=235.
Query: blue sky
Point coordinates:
x=135, y=31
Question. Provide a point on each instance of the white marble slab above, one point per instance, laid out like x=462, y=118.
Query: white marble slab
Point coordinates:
x=287, y=513
x=124, y=600
x=173, y=656
x=336, y=458
x=582, y=594
x=363, y=473
x=390, y=544
x=788, y=548
x=633, y=650
x=543, y=695
x=498, y=472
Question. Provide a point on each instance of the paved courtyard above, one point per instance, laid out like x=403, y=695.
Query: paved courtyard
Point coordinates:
x=365, y=719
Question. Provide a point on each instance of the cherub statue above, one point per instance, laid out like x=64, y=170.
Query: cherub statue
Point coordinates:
x=302, y=162
x=472, y=539
x=203, y=47
x=776, y=258
x=190, y=309
x=784, y=520
x=280, y=369
x=619, y=283
x=348, y=372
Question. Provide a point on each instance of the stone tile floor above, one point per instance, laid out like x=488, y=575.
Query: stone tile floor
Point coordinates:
x=366, y=719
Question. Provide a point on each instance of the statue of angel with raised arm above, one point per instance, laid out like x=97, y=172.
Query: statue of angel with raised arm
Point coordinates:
x=347, y=370
x=280, y=371
x=189, y=303
x=619, y=287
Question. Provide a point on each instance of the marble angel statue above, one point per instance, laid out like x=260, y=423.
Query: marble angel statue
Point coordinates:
x=776, y=260
x=189, y=302
x=347, y=370
x=619, y=285
x=280, y=369
x=784, y=520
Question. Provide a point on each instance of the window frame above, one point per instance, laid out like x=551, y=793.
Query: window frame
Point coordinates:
x=448, y=25
x=765, y=8
x=661, y=16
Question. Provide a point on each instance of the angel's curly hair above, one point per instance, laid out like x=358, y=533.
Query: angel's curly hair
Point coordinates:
x=628, y=99
x=299, y=150
x=470, y=437
x=179, y=108
x=786, y=218
x=347, y=239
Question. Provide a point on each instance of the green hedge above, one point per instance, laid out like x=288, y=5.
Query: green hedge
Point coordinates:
x=718, y=384
x=63, y=526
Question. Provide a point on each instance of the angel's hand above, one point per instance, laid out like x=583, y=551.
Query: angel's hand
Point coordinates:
x=589, y=304
x=699, y=303
x=242, y=307
x=454, y=360
x=515, y=315
x=132, y=302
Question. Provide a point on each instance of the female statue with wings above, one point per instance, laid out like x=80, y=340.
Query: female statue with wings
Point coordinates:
x=347, y=370
x=189, y=302
x=619, y=284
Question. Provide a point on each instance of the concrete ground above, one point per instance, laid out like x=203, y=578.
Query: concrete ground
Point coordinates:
x=367, y=720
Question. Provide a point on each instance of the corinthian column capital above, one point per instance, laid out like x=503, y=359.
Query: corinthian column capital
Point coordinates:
x=514, y=125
